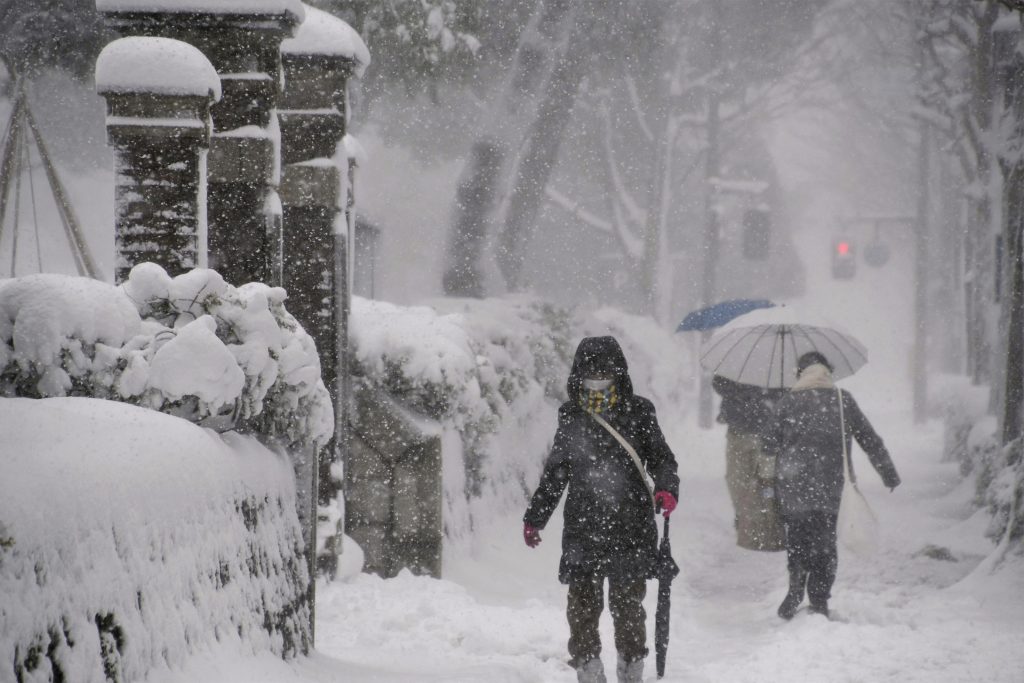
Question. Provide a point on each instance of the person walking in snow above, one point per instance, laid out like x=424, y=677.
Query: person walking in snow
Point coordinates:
x=807, y=441
x=609, y=530
x=748, y=411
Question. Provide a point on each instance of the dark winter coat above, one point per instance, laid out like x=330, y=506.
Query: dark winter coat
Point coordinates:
x=746, y=408
x=609, y=519
x=809, y=450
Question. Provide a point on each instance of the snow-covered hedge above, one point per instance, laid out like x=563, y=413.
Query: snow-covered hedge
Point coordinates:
x=192, y=346
x=1000, y=488
x=972, y=440
x=493, y=373
x=130, y=539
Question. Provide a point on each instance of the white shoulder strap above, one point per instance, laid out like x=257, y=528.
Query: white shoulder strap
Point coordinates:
x=629, y=449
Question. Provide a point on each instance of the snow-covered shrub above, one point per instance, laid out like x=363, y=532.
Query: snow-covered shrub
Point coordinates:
x=972, y=440
x=62, y=335
x=1000, y=487
x=963, y=406
x=492, y=372
x=192, y=346
x=130, y=539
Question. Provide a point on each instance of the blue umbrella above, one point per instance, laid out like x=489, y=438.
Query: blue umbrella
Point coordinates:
x=719, y=314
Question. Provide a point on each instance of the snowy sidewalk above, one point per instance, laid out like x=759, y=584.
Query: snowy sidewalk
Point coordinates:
x=498, y=615
x=902, y=615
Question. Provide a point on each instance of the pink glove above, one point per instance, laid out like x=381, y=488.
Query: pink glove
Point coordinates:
x=665, y=501
x=531, y=535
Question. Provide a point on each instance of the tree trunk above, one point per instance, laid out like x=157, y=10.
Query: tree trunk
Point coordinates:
x=474, y=201
x=539, y=156
x=1012, y=84
x=1013, y=392
x=503, y=131
x=711, y=173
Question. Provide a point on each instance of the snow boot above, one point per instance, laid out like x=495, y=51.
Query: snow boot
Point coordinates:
x=818, y=607
x=788, y=608
x=591, y=671
x=630, y=672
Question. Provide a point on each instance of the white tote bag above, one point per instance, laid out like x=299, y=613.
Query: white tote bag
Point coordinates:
x=858, y=526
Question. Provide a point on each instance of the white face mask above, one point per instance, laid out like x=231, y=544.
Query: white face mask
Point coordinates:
x=596, y=384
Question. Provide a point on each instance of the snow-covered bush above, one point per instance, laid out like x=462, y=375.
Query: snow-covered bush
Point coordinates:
x=972, y=440
x=1000, y=487
x=130, y=539
x=968, y=429
x=492, y=372
x=192, y=346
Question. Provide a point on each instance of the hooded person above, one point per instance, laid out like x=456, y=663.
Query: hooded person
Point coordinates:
x=609, y=530
x=808, y=444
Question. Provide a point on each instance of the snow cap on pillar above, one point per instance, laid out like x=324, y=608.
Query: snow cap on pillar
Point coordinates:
x=160, y=66
x=326, y=35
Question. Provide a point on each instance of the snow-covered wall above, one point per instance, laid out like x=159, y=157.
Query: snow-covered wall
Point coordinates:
x=492, y=372
x=130, y=539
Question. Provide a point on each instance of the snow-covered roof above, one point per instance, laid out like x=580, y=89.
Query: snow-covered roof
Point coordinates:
x=157, y=65
x=324, y=34
x=293, y=7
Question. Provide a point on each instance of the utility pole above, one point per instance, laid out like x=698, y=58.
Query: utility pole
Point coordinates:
x=919, y=363
x=711, y=173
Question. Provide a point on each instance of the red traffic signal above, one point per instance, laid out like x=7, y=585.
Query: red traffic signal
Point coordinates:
x=844, y=262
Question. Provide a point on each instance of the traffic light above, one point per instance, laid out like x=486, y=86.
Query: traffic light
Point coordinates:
x=757, y=234
x=876, y=253
x=844, y=260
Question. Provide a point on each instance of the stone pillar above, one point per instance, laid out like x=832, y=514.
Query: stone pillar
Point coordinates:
x=393, y=486
x=158, y=92
x=317, y=64
x=242, y=41
x=312, y=123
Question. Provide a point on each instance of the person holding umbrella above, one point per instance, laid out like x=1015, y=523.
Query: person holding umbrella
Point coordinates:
x=608, y=441
x=814, y=425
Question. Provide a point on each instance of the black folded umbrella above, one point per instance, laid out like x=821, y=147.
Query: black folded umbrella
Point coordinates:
x=666, y=571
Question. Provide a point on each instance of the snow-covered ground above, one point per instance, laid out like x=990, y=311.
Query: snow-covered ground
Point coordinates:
x=498, y=613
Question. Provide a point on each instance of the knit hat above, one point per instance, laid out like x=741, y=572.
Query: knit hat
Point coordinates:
x=812, y=358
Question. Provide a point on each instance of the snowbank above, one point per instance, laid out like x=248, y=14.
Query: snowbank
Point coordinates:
x=130, y=540
x=193, y=346
x=492, y=372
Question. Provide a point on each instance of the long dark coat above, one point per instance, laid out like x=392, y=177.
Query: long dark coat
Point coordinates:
x=809, y=449
x=746, y=408
x=609, y=519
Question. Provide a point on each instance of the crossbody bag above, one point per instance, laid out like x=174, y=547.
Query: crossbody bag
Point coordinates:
x=629, y=449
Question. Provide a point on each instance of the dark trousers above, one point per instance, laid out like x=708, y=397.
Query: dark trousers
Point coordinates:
x=811, y=553
x=625, y=601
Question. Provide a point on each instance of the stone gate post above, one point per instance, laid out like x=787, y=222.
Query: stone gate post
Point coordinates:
x=317, y=65
x=158, y=92
x=242, y=41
